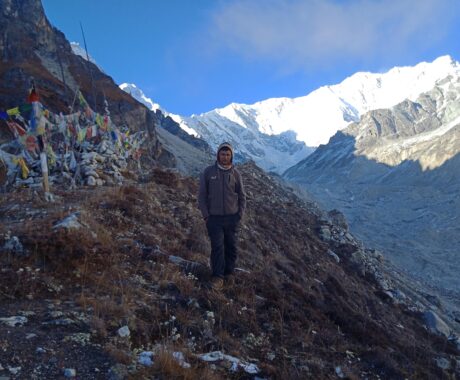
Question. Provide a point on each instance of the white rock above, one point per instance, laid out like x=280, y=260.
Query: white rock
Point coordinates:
x=70, y=372
x=14, y=321
x=69, y=222
x=146, y=358
x=91, y=181
x=443, y=363
x=123, y=331
x=436, y=324
x=14, y=246
x=91, y=173
x=212, y=356
x=339, y=372
x=179, y=356
x=333, y=255
x=14, y=370
x=218, y=355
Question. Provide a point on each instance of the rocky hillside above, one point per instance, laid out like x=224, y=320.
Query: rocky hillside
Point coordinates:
x=32, y=49
x=112, y=282
x=395, y=175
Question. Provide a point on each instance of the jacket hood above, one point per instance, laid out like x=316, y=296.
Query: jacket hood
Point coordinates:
x=224, y=145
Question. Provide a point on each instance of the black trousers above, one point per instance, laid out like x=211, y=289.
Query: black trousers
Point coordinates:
x=223, y=232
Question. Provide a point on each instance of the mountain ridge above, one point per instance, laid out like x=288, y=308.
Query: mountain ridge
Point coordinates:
x=277, y=132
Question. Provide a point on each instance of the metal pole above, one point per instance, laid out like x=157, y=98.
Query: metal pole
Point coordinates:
x=89, y=66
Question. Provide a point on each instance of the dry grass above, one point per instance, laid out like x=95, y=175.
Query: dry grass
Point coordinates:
x=297, y=312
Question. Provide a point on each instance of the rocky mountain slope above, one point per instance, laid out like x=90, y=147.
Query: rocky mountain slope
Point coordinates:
x=112, y=282
x=31, y=49
x=395, y=175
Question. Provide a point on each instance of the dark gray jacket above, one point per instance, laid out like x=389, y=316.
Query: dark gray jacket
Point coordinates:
x=221, y=192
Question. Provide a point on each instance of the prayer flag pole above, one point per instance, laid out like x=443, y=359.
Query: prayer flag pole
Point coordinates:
x=89, y=66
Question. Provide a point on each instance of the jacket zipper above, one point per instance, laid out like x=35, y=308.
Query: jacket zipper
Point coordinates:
x=223, y=190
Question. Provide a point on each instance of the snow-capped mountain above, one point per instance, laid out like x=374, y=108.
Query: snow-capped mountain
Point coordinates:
x=396, y=176
x=271, y=152
x=277, y=133
x=318, y=115
x=139, y=95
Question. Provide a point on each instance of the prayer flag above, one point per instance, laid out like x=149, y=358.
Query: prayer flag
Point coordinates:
x=13, y=111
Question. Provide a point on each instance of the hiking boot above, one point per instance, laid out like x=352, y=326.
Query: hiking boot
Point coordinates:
x=217, y=283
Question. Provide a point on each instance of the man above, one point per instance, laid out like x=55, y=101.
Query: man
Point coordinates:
x=222, y=201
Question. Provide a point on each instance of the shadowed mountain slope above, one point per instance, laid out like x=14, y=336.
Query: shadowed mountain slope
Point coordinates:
x=395, y=175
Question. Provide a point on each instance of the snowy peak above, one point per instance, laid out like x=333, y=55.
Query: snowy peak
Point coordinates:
x=78, y=50
x=369, y=91
x=424, y=133
x=319, y=115
x=139, y=95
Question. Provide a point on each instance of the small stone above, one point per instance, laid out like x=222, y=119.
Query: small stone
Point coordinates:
x=53, y=360
x=90, y=172
x=14, y=321
x=14, y=370
x=339, y=372
x=30, y=336
x=123, y=331
x=333, y=255
x=59, y=322
x=56, y=314
x=70, y=372
x=14, y=246
x=91, y=181
x=40, y=350
x=146, y=358
x=435, y=324
x=70, y=222
x=443, y=363
x=179, y=356
x=325, y=233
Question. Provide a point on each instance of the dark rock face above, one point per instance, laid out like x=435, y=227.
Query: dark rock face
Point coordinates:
x=31, y=48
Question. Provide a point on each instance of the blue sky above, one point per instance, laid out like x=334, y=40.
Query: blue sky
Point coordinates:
x=192, y=56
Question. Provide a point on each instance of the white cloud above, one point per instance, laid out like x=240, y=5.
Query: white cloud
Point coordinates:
x=306, y=33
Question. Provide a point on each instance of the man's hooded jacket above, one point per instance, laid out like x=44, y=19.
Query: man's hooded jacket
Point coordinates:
x=221, y=190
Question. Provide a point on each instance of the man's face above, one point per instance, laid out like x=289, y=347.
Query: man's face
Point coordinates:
x=225, y=157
